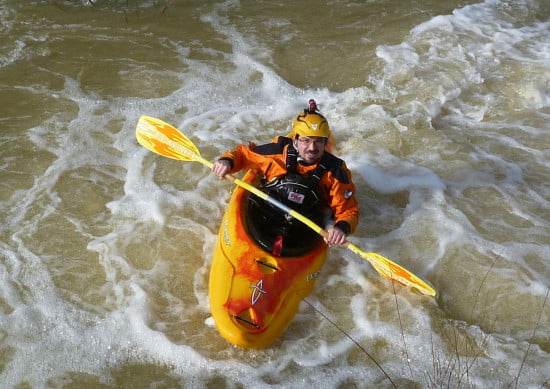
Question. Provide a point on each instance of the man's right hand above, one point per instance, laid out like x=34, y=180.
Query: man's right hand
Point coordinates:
x=221, y=168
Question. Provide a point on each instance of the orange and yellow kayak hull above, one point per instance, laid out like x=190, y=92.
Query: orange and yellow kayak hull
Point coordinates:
x=253, y=293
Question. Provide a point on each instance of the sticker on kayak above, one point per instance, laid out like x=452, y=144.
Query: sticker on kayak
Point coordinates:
x=297, y=198
x=226, y=237
x=258, y=291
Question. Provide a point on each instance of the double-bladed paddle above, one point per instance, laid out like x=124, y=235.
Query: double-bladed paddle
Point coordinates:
x=164, y=139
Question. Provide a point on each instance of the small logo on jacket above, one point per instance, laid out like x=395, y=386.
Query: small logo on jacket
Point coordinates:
x=296, y=197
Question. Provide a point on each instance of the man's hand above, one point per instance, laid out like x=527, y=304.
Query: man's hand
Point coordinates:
x=221, y=168
x=335, y=236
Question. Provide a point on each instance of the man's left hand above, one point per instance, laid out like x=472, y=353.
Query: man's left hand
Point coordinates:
x=335, y=236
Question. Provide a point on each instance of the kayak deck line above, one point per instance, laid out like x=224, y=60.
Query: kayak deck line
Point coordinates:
x=242, y=319
x=269, y=265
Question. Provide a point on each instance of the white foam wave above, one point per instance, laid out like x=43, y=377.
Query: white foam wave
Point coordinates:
x=425, y=164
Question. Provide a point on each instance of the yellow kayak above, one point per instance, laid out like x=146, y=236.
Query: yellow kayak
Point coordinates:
x=259, y=274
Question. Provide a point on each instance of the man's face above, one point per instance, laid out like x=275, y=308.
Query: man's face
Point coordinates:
x=311, y=148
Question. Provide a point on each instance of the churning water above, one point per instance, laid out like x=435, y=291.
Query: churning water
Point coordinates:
x=440, y=108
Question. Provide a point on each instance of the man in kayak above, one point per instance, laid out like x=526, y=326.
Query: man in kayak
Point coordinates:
x=300, y=172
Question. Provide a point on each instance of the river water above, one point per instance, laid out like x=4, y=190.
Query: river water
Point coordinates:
x=440, y=108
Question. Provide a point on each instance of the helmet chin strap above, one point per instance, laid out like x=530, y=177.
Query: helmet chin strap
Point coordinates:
x=295, y=144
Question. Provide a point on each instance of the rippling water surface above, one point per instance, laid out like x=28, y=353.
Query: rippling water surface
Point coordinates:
x=440, y=108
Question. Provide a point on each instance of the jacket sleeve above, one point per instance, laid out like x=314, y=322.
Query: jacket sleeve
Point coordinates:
x=240, y=158
x=269, y=157
x=342, y=201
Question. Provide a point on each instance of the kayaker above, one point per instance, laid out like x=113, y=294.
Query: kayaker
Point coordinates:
x=299, y=171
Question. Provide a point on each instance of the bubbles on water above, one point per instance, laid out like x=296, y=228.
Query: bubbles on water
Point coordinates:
x=108, y=247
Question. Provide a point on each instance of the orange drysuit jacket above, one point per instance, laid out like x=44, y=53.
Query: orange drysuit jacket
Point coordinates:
x=270, y=159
